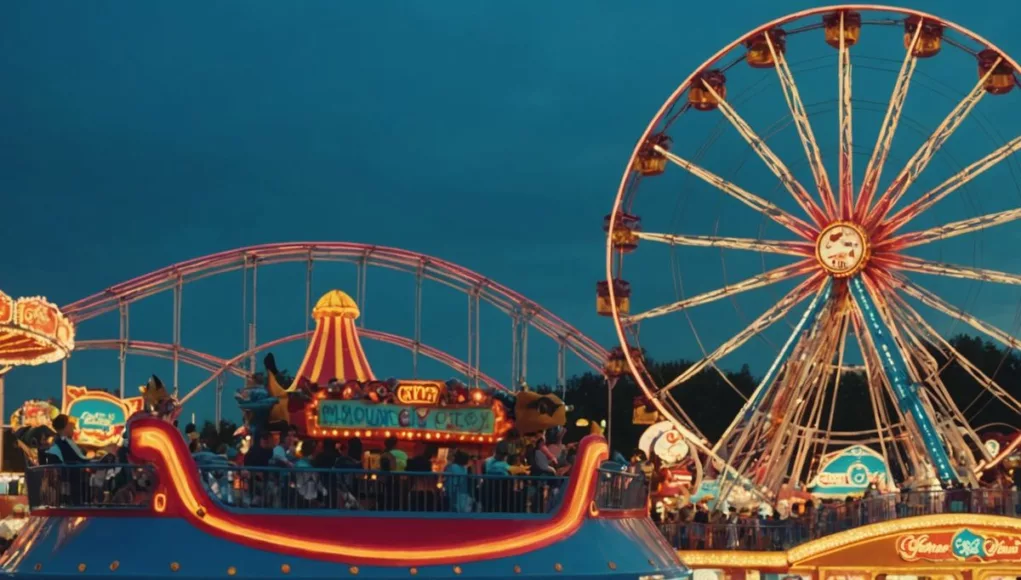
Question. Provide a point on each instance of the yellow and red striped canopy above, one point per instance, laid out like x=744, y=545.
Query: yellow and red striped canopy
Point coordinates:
x=335, y=351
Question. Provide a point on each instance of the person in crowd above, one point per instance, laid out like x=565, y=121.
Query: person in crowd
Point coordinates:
x=285, y=454
x=456, y=483
x=423, y=487
x=308, y=485
x=259, y=455
x=543, y=460
x=497, y=464
x=423, y=462
x=64, y=449
x=392, y=459
x=328, y=456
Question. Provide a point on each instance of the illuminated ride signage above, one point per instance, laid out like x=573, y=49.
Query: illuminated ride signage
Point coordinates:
x=340, y=414
x=99, y=416
x=424, y=393
x=963, y=545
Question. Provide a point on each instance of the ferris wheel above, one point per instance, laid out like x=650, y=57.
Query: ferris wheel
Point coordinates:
x=830, y=270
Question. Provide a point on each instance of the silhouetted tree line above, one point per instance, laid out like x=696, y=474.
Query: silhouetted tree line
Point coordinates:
x=712, y=403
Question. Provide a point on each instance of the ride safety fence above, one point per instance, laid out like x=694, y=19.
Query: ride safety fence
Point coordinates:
x=103, y=485
x=769, y=534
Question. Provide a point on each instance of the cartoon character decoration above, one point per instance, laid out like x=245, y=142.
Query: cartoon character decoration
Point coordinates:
x=290, y=402
x=380, y=391
x=457, y=392
x=536, y=411
x=159, y=401
x=256, y=405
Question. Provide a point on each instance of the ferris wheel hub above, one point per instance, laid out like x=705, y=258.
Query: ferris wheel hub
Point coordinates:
x=842, y=249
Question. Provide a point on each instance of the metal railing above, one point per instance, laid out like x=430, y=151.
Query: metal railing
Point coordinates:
x=90, y=485
x=621, y=490
x=379, y=491
x=749, y=533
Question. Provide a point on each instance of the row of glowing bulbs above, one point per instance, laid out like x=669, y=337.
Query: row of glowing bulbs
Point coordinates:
x=404, y=435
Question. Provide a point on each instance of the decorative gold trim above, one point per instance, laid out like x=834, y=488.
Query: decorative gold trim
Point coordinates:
x=866, y=249
x=799, y=556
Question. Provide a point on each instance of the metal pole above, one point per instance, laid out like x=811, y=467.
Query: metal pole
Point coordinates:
x=562, y=368
x=609, y=412
x=363, y=272
x=218, y=410
x=124, y=332
x=63, y=386
x=178, y=289
x=418, y=319
x=244, y=305
x=308, y=298
x=255, y=311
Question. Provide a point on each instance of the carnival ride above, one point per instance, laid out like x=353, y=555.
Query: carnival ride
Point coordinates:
x=251, y=263
x=164, y=493
x=846, y=247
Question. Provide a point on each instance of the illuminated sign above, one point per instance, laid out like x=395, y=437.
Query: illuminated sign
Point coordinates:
x=34, y=414
x=957, y=546
x=334, y=414
x=419, y=393
x=99, y=416
x=849, y=471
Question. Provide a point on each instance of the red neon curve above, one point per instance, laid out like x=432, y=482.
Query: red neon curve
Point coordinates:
x=361, y=539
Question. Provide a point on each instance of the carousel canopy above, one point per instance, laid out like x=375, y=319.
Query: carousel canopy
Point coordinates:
x=32, y=331
x=335, y=351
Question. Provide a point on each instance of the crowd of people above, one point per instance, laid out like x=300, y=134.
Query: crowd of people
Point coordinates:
x=698, y=527
x=283, y=471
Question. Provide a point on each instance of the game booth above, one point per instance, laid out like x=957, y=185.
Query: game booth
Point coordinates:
x=334, y=396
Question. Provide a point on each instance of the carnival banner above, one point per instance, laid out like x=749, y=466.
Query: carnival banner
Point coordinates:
x=99, y=416
x=962, y=545
x=849, y=471
x=352, y=414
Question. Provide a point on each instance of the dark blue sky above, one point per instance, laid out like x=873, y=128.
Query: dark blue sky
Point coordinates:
x=492, y=134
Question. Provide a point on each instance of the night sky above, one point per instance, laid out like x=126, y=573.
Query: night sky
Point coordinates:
x=134, y=135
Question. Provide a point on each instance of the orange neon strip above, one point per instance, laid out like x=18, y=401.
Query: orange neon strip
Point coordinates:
x=303, y=369
x=570, y=516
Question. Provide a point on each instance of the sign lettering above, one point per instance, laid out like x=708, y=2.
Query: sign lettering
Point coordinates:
x=418, y=393
x=961, y=545
x=362, y=415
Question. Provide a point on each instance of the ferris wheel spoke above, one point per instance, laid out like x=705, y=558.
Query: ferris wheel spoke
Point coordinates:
x=949, y=230
x=927, y=200
x=912, y=264
x=912, y=316
x=775, y=165
x=887, y=130
x=770, y=316
x=846, y=133
x=764, y=279
x=935, y=302
x=804, y=127
x=801, y=249
x=895, y=366
x=920, y=160
x=752, y=404
x=753, y=201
